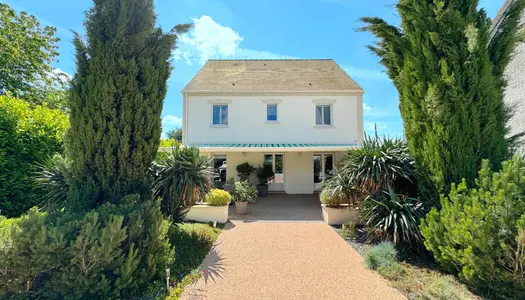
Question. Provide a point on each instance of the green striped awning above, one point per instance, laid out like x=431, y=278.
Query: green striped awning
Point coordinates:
x=273, y=147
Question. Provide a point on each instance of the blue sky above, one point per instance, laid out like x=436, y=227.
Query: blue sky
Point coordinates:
x=264, y=29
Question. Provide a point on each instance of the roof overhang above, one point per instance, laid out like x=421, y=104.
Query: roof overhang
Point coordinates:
x=272, y=147
x=280, y=93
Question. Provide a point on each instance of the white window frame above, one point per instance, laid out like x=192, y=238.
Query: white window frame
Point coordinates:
x=221, y=105
x=322, y=115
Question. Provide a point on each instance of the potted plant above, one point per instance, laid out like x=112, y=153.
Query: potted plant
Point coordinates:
x=244, y=170
x=337, y=211
x=213, y=209
x=243, y=192
x=264, y=174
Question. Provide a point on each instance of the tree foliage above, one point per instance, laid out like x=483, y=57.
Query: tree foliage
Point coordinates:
x=26, y=52
x=28, y=136
x=116, y=99
x=480, y=232
x=450, y=86
x=175, y=134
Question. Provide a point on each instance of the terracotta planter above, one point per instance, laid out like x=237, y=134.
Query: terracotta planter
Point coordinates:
x=207, y=213
x=340, y=215
x=262, y=190
x=241, y=207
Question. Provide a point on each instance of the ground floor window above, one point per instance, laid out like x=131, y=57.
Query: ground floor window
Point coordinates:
x=276, y=161
x=219, y=170
x=323, y=168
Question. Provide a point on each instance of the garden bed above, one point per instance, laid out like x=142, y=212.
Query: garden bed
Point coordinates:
x=419, y=278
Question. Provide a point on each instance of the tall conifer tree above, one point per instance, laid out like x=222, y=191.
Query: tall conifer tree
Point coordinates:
x=116, y=99
x=450, y=85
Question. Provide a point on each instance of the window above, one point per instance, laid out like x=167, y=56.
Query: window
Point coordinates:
x=220, y=115
x=323, y=114
x=271, y=112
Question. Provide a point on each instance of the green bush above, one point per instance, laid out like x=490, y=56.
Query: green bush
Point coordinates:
x=265, y=173
x=394, y=271
x=243, y=191
x=181, y=178
x=378, y=164
x=53, y=178
x=114, y=251
x=244, y=170
x=394, y=218
x=480, y=231
x=330, y=198
x=28, y=136
x=217, y=197
x=381, y=255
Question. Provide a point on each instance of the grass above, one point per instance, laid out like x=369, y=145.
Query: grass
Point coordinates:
x=192, y=242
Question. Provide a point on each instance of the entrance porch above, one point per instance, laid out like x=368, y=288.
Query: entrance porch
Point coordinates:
x=299, y=168
x=280, y=207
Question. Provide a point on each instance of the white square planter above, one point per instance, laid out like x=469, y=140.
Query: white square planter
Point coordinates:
x=206, y=213
x=340, y=215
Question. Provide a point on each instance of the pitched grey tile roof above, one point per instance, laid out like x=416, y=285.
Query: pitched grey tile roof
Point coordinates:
x=284, y=75
x=499, y=17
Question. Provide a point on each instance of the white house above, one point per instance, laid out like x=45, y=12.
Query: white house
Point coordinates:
x=299, y=115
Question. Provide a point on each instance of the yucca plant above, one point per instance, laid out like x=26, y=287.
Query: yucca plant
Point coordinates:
x=181, y=178
x=343, y=184
x=379, y=163
x=394, y=217
x=53, y=178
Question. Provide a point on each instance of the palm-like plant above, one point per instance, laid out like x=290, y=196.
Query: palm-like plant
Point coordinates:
x=394, y=217
x=181, y=178
x=379, y=163
x=53, y=177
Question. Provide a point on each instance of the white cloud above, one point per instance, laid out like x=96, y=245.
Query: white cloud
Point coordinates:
x=365, y=73
x=208, y=39
x=366, y=107
x=170, y=121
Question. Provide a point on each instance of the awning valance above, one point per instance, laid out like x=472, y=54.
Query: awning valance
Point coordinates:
x=273, y=147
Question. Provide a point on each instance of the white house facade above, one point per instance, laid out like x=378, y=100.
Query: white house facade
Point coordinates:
x=300, y=116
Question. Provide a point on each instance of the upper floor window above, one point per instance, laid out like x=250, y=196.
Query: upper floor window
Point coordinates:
x=220, y=115
x=323, y=114
x=271, y=112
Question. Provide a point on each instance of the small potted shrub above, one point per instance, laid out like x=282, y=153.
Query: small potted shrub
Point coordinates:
x=243, y=192
x=213, y=209
x=264, y=174
x=244, y=170
x=336, y=210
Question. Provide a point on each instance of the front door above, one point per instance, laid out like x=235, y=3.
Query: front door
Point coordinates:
x=323, y=169
x=276, y=160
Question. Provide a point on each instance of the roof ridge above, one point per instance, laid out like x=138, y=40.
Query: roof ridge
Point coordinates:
x=272, y=59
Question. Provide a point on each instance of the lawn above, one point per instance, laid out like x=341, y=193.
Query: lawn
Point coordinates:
x=192, y=242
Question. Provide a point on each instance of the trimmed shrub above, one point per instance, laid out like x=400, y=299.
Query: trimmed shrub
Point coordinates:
x=114, y=251
x=244, y=191
x=381, y=255
x=217, y=197
x=28, y=136
x=394, y=218
x=330, y=198
x=480, y=231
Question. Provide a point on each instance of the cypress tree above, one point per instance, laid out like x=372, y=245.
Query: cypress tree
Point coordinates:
x=450, y=86
x=116, y=100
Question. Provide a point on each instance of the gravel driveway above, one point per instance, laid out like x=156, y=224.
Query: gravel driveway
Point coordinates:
x=272, y=260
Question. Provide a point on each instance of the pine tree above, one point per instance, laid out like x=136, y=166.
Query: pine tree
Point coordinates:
x=450, y=86
x=116, y=99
